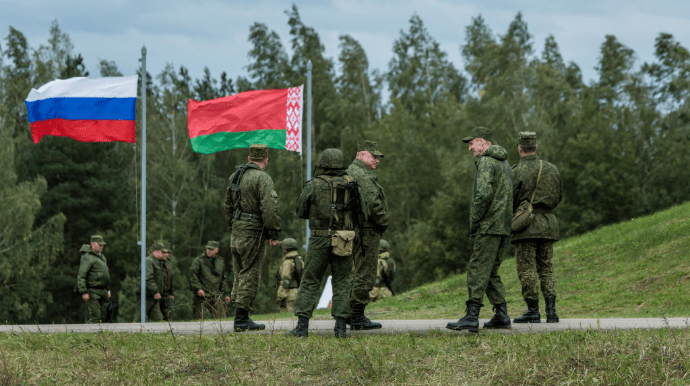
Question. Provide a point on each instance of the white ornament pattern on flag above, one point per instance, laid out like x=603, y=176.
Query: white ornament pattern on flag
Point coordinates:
x=293, y=136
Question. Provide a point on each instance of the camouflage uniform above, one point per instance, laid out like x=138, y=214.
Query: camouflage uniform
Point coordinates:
x=534, y=244
x=167, y=303
x=252, y=215
x=209, y=274
x=385, y=273
x=94, y=279
x=154, y=285
x=289, y=279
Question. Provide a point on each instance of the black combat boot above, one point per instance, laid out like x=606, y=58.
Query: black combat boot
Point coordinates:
x=532, y=314
x=470, y=321
x=551, y=316
x=360, y=322
x=500, y=318
x=302, y=328
x=340, y=328
x=243, y=323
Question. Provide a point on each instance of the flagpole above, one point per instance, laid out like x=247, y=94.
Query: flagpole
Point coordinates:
x=142, y=242
x=308, y=139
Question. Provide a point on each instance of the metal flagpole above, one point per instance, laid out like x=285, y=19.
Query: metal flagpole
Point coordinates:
x=308, y=138
x=142, y=242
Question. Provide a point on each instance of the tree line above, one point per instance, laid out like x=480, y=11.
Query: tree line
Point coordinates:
x=620, y=143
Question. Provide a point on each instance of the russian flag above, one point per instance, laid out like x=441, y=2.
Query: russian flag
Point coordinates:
x=88, y=110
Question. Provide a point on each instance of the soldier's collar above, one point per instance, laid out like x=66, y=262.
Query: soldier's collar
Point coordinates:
x=291, y=254
x=531, y=156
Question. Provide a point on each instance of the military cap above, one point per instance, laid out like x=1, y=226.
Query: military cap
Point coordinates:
x=258, y=152
x=527, y=139
x=370, y=146
x=212, y=244
x=158, y=245
x=480, y=132
x=166, y=246
x=97, y=239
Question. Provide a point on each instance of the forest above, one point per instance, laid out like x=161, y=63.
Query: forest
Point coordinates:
x=620, y=142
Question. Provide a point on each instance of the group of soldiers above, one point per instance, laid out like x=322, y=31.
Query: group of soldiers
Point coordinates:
x=348, y=213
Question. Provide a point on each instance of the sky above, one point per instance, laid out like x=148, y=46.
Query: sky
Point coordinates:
x=213, y=33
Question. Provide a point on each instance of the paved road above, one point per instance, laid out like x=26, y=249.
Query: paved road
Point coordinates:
x=326, y=326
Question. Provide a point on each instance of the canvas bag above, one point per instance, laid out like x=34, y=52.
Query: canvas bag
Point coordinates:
x=523, y=216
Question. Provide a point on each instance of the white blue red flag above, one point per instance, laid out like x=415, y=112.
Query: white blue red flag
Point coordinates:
x=88, y=110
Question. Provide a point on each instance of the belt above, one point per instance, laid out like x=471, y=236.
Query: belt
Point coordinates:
x=250, y=217
x=321, y=232
x=541, y=211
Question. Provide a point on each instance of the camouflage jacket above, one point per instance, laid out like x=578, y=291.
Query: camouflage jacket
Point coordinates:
x=288, y=273
x=167, y=273
x=376, y=207
x=314, y=202
x=385, y=270
x=549, y=195
x=208, y=274
x=491, y=208
x=93, y=270
x=154, y=276
x=257, y=196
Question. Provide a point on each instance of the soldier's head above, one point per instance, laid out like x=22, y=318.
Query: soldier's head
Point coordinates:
x=258, y=153
x=97, y=243
x=212, y=248
x=384, y=246
x=288, y=244
x=368, y=152
x=166, y=249
x=480, y=139
x=527, y=143
x=331, y=159
x=157, y=249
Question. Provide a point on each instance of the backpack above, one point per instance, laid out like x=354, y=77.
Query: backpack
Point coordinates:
x=345, y=212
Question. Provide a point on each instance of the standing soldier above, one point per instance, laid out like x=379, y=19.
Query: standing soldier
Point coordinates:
x=251, y=210
x=538, y=181
x=331, y=202
x=93, y=280
x=365, y=253
x=385, y=273
x=154, y=282
x=208, y=279
x=168, y=291
x=490, y=217
x=288, y=276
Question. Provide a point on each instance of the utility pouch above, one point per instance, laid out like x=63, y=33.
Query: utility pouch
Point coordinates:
x=342, y=242
x=522, y=217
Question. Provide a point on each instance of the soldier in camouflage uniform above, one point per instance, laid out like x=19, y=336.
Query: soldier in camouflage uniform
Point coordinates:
x=154, y=282
x=167, y=302
x=208, y=280
x=251, y=210
x=288, y=276
x=93, y=280
x=490, y=218
x=534, y=244
x=329, y=201
x=365, y=253
x=385, y=273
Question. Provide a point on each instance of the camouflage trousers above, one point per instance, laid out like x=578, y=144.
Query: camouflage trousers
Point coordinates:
x=534, y=259
x=319, y=257
x=285, y=299
x=209, y=307
x=153, y=310
x=379, y=293
x=248, y=250
x=167, y=308
x=97, y=306
x=482, y=270
x=365, y=262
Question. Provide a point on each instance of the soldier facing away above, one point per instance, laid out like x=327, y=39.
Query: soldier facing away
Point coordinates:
x=251, y=212
x=288, y=276
x=385, y=273
x=208, y=280
x=330, y=202
x=365, y=253
x=490, y=218
x=154, y=281
x=534, y=244
x=93, y=279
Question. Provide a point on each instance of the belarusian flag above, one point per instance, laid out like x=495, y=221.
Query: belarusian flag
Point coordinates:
x=271, y=117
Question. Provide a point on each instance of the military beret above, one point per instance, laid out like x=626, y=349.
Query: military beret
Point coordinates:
x=480, y=132
x=370, y=146
x=258, y=152
x=527, y=139
x=97, y=239
x=212, y=244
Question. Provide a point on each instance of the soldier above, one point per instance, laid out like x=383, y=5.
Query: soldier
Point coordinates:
x=288, y=276
x=365, y=253
x=332, y=204
x=251, y=210
x=154, y=282
x=208, y=279
x=167, y=303
x=93, y=280
x=385, y=273
x=534, y=244
x=490, y=218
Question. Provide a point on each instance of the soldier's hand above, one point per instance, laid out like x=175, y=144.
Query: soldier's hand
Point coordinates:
x=108, y=294
x=201, y=293
x=157, y=296
x=274, y=242
x=172, y=297
x=85, y=297
x=227, y=299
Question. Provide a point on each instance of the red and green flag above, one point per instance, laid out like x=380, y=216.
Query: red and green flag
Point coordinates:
x=271, y=117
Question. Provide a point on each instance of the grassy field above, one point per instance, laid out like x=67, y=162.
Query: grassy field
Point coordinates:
x=639, y=268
